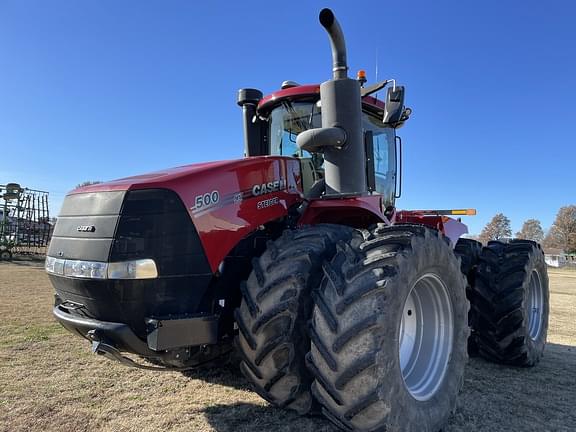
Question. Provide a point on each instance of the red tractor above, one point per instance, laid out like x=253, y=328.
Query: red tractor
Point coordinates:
x=296, y=258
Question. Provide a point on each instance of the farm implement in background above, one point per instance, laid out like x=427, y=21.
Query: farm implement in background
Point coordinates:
x=24, y=221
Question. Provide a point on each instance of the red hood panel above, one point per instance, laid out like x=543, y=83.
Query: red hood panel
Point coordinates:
x=160, y=179
x=226, y=200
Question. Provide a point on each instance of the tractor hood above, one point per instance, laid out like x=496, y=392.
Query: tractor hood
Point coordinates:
x=158, y=178
x=219, y=202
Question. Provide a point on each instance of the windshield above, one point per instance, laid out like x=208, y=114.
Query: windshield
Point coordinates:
x=287, y=121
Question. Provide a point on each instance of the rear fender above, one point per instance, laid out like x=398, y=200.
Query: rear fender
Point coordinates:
x=451, y=228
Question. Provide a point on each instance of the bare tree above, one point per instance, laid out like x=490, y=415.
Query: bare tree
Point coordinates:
x=531, y=230
x=87, y=183
x=498, y=228
x=562, y=234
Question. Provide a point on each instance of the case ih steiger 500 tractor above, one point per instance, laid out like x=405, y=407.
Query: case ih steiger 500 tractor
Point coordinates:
x=296, y=258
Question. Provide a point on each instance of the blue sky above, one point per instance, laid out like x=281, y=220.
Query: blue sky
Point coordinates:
x=97, y=90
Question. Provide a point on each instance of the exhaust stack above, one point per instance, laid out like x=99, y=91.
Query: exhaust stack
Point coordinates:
x=337, y=43
x=340, y=138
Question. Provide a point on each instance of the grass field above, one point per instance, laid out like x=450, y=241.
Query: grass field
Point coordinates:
x=49, y=380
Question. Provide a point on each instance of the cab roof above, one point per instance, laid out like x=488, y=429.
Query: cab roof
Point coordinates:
x=310, y=91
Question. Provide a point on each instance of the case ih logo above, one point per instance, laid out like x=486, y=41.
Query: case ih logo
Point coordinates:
x=265, y=188
x=86, y=228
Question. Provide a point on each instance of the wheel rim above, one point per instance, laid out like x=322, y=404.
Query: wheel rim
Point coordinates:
x=535, y=305
x=426, y=336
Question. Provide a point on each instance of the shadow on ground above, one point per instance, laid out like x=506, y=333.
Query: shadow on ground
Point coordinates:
x=228, y=375
x=494, y=398
x=246, y=417
x=503, y=398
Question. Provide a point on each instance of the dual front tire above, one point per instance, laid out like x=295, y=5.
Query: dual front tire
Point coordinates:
x=385, y=348
x=276, y=305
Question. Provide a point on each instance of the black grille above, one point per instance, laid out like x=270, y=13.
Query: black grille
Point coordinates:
x=155, y=224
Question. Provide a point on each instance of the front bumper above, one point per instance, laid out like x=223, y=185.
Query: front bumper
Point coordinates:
x=163, y=334
x=119, y=335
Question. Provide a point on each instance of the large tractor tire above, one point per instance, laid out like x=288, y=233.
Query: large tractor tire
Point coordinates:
x=510, y=303
x=469, y=252
x=276, y=306
x=389, y=331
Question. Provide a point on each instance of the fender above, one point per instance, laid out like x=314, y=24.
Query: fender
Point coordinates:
x=363, y=211
x=451, y=228
x=356, y=211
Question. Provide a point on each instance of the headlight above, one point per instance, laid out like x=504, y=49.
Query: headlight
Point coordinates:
x=137, y=269
x=54, y=265
x=85, y=269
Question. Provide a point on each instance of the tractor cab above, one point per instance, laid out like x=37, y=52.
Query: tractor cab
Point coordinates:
x=281, y=116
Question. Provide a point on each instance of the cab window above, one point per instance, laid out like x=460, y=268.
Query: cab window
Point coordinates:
x=384, y=140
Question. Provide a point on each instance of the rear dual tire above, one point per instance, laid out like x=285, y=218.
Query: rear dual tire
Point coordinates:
x=510, y=303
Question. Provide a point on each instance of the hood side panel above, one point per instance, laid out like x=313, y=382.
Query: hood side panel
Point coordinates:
x=229, y=202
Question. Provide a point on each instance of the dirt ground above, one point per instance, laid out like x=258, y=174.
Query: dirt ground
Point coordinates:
x=49, y=380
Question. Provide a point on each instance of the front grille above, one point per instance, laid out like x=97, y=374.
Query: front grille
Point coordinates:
x=151, y=223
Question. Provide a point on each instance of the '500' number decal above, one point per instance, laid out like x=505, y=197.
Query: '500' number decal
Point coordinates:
x=205, y=201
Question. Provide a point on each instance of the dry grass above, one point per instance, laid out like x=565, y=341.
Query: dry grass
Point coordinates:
x=49, y=380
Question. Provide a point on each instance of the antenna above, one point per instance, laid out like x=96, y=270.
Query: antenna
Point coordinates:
x=376, y=73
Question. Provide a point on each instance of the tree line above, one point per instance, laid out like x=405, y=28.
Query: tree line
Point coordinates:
x=561, y=235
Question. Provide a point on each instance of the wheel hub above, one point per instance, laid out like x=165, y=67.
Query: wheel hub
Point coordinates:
x=426, y=336
x=535, y=305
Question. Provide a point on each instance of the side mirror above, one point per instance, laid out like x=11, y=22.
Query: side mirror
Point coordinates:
x=393, y=106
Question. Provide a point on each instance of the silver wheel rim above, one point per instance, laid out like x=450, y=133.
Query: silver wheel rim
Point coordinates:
x=535, y=305
x=426, y=336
